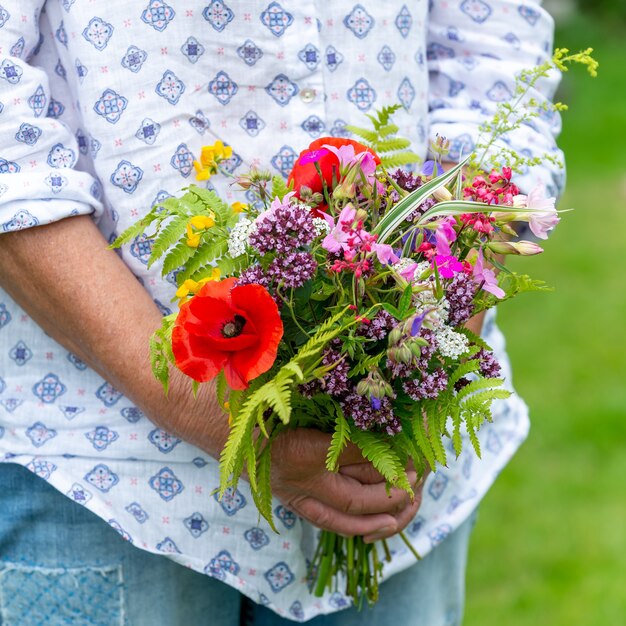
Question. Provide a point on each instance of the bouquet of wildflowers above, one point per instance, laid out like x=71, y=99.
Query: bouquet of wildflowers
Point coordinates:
x=338, y=300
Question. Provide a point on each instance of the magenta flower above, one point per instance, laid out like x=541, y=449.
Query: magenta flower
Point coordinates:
x=445, y=235
x=312, y=157
x=486, y=277
x=447, y=265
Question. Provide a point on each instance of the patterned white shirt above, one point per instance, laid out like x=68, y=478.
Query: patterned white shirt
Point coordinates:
x=103, y=106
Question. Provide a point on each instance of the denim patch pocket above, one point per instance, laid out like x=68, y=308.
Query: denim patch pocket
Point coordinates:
x=89, y=596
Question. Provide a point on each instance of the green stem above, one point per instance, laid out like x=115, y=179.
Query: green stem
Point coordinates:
x=410, y=546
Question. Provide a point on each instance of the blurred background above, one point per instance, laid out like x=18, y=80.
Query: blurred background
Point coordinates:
x=550, y=545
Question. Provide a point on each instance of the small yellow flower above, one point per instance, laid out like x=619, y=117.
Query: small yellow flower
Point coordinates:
x=227, y=405
x=198, y=223
x=193, y=239
x=239, y=207
x=192, y=286
x=203, y=222
x=210, y=157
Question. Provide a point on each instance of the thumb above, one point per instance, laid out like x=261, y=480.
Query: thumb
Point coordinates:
x=351, y=455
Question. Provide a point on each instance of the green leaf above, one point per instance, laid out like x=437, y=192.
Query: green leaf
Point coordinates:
x=392, y=310
x=478, y=385
x=262, y=496
x=379, y=452
x=473, y=365
x=221, y=388
x=177, y=257
x=404, y=305
x=167, y=237
x=161, y=355
x=421, y=439
x=365, y=364
x=340, y=438
x=399, y=159
x=395, y=217
x=279, y=187
x=203, y=259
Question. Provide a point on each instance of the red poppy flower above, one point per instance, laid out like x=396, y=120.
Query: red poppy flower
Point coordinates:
x=304, y=172
x=230, y=328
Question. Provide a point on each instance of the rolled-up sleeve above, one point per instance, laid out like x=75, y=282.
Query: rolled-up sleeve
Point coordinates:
x=38, y=180
x=475, y=50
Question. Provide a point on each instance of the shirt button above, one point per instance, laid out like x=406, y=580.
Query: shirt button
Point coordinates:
x=307, y=95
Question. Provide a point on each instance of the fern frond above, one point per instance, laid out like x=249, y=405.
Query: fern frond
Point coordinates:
x=262, y=496
x=177, y=256
x=340, y=438
x=161, y=355
x=473, y=365
x=230, y=267
x=279, y=187
x=421, y=439
x=478, y=385
x=434, y=433
x=167, y=236
x=368, y=136
x=221, y=388
x=387, y=130
x=135, y=229
x=399, y=159
x=382, y=456
x=203, y=259
x=393, y=144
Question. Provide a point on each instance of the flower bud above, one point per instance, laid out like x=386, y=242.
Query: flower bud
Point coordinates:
x=442, y=194
x=404, y=354
x=395, y=335
x=523, y=248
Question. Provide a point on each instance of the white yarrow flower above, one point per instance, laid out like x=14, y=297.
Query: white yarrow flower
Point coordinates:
x=450, y=343
x=238, y=239
x=322, y=227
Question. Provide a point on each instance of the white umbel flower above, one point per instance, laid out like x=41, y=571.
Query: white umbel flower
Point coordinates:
x=238, y=240
x=322, y=227
x=450, y=343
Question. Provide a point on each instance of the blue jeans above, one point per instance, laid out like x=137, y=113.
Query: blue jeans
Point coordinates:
x=61, y=565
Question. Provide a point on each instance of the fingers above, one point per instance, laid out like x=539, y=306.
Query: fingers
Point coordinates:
x=347, y=495
x=365, y=473
x=325, y=517
x=350, y=455
x=403, y=519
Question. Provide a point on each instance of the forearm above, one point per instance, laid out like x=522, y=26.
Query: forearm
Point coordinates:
x=85, y=297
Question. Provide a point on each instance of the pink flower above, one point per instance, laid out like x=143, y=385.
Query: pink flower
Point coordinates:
x=445, y=235
x=543, y=222
x=385, y=253
x=338, y=238
x=486, y=277
x=447, y=265
x=408, y=272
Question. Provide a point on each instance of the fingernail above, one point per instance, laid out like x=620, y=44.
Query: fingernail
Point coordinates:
x=381, y=533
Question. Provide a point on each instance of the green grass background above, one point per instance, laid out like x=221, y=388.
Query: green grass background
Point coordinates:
x=550, y=545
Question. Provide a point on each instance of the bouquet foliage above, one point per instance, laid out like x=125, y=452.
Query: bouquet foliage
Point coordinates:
x=338, y=300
